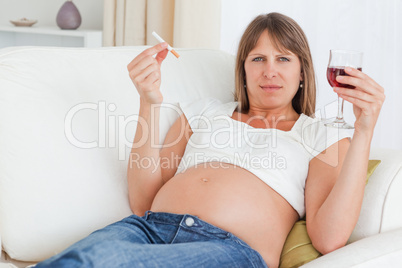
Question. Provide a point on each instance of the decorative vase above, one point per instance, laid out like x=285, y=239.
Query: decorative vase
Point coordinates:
x=68, y=17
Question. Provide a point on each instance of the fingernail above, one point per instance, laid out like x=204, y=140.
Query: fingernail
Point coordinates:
x=348, y=69
x=164, y=44
x=336, y=89
x=339, y=77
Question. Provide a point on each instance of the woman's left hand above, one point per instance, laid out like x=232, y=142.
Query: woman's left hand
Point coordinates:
x=367, y=98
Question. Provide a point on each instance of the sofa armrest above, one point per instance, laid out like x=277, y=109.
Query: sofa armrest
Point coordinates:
x=381, y=250
x=392, y=168
x=382, y=201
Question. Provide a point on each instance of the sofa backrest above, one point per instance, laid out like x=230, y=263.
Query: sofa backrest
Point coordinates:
x=67, y=121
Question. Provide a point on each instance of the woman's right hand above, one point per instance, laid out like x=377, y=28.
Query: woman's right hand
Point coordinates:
x=145, y=72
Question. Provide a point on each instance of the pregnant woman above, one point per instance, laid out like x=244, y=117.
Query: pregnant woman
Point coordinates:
x=231, y=179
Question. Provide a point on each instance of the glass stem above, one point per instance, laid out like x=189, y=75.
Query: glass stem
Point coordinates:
x=340, y=109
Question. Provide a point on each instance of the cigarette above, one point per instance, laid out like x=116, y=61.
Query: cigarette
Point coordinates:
x=169, y=47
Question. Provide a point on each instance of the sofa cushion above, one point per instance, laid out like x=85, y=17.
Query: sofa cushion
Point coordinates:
x=372, y=165
x=298, y=249
x=67, y=122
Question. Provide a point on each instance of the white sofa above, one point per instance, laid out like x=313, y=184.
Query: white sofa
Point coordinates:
x=67, y=121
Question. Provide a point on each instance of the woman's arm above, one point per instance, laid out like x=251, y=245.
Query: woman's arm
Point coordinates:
x=145, y=174
x=336, y=180
x=144, y=183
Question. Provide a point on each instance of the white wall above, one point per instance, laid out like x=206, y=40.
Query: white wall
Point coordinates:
x=45, y=11
x=371, y=26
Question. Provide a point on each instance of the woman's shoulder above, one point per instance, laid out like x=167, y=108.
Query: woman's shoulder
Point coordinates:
x=205, y=107
x=314, y=126
x=316, y=136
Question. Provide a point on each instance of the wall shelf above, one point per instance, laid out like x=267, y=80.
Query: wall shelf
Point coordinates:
x=49, y=36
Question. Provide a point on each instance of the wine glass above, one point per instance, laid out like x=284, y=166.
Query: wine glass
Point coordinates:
x=338, y=60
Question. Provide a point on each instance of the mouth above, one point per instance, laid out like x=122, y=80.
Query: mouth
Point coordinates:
x=270, y=88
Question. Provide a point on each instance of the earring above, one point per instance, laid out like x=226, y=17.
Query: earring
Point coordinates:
x=301, y=85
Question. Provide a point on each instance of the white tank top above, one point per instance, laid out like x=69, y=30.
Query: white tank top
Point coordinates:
x=279, y=158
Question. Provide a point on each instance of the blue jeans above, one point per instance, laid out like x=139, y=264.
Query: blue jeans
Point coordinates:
x=158, y=240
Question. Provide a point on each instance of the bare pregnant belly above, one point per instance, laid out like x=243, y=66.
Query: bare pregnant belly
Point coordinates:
x=233, y=199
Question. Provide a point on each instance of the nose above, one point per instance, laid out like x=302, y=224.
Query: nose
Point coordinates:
x=270, y=70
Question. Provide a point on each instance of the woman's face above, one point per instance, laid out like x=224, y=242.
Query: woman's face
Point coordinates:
x=272, y=77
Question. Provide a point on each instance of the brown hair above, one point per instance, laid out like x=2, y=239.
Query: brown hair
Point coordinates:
x=285, y=34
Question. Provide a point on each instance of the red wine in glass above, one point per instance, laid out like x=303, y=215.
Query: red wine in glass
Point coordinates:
x=338, y=59
x=333, y=72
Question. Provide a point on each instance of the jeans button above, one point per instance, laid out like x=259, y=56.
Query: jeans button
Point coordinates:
x=189, y=221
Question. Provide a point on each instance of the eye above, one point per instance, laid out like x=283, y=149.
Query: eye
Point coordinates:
x=284, y=59
x=258, y=59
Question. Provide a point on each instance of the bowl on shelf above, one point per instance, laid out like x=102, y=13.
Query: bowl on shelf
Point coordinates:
x=23, y=22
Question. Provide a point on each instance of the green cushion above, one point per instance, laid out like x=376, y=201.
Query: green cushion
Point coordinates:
x=298, y=249
x=372, y=165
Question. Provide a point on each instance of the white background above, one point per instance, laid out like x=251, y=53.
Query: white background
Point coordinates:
x=371, y=26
